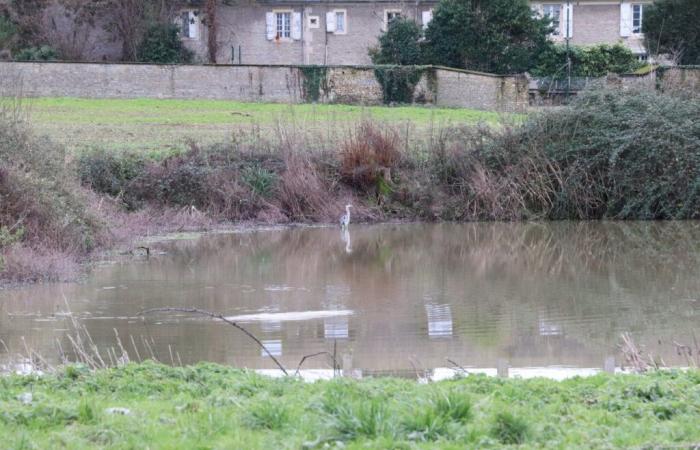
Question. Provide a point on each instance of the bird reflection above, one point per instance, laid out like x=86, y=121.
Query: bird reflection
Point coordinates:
x=345, y=236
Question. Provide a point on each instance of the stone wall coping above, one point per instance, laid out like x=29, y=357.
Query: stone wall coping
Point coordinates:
x=291, y=66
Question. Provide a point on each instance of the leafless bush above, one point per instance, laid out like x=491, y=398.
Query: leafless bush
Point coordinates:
x=368, y=155
x=302, y=193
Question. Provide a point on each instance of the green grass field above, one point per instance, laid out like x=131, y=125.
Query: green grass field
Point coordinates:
x=158, y=124
x=210, y=406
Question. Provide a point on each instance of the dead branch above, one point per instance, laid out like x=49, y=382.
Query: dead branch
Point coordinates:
x=202, y=312
x=632, y=354
x=313, y=355
x=457, y=366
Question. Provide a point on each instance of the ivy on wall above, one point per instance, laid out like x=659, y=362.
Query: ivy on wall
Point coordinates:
x=398, y=82
x=315, y=80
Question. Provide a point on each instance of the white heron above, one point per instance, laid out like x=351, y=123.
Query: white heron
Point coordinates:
x=345, y=218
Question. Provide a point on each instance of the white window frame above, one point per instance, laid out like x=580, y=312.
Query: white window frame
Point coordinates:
x=395, y=12
x=558, y=28
x=192, y=22
x=638, y=29
x=344, y=12
x=278, y=36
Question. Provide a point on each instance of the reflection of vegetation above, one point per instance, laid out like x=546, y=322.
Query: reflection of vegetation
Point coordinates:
x=216, y=406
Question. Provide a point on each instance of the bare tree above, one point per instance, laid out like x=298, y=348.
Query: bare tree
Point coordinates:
x=126, y=19
x=211, y=9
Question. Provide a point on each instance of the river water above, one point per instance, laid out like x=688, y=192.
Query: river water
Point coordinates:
x=386, y=298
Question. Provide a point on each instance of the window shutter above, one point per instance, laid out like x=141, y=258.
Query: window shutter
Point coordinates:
x=568, y=20
x=271, y=28
x=625, y=19
x=427, y=17
x=296, y=26
x=330, y=22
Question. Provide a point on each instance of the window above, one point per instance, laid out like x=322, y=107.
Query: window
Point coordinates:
x=188, y=24
x=284, y=25
x=426, y=18
x=340, y=25
x=637, y=17
x=553, y=12
x=390, y=15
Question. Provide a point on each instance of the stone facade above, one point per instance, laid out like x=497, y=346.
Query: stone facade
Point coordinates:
x=598, y=22
x=284, y=84
x=243, y=36
x=243, y=31
x=246, y=29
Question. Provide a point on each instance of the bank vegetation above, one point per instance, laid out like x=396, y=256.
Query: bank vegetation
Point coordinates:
x=609, y=155
x=156, y=406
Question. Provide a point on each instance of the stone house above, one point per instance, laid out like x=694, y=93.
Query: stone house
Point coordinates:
x=332, y=32
x=340, y=32
x=597, y=22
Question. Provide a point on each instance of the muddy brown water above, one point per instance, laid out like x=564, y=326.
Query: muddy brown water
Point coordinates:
x=388, y=298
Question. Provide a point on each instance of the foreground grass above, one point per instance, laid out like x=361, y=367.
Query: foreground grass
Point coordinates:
x=210, y=406
x=155, y=123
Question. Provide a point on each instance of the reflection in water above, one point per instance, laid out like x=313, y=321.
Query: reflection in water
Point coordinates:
x=274, y=346
x=548, y=328
x=336, y=328
x=439, y=320
x=345, y=236
x=536, y=294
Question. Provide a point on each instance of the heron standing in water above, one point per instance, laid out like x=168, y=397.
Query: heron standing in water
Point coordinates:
x=345, y=218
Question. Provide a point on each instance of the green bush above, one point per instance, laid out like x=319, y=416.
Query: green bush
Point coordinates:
x=43, y=53
x=495, y=36
x=671, y=27
x=610, y=154
x=162, y=44
x=594, y=61
x=399, y=49
x=111, y=173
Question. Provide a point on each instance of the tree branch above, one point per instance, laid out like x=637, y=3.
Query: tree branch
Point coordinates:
x=202, y=312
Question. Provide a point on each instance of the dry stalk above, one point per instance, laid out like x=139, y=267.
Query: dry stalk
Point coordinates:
x=633, y=355
x=221, y=317
x=313, y=355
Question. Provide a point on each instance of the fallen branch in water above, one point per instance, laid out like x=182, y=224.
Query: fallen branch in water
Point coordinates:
x=313, y=355
x=202, y=312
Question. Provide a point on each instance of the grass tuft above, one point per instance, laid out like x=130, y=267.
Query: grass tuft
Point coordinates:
x=509, y=428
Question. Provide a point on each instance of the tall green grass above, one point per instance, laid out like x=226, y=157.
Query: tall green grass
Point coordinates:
x=210, y=406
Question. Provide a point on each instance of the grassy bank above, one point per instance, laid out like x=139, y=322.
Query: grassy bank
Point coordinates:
x=154, y=124
x=210, y=406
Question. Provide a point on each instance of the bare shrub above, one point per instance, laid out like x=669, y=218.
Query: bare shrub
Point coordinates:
x=303, y=194
x=368, y=155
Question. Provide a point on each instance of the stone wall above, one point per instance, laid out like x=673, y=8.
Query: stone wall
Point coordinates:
x=681, y=78
x=459, y=88
x=283, y=84
x=663, y=78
